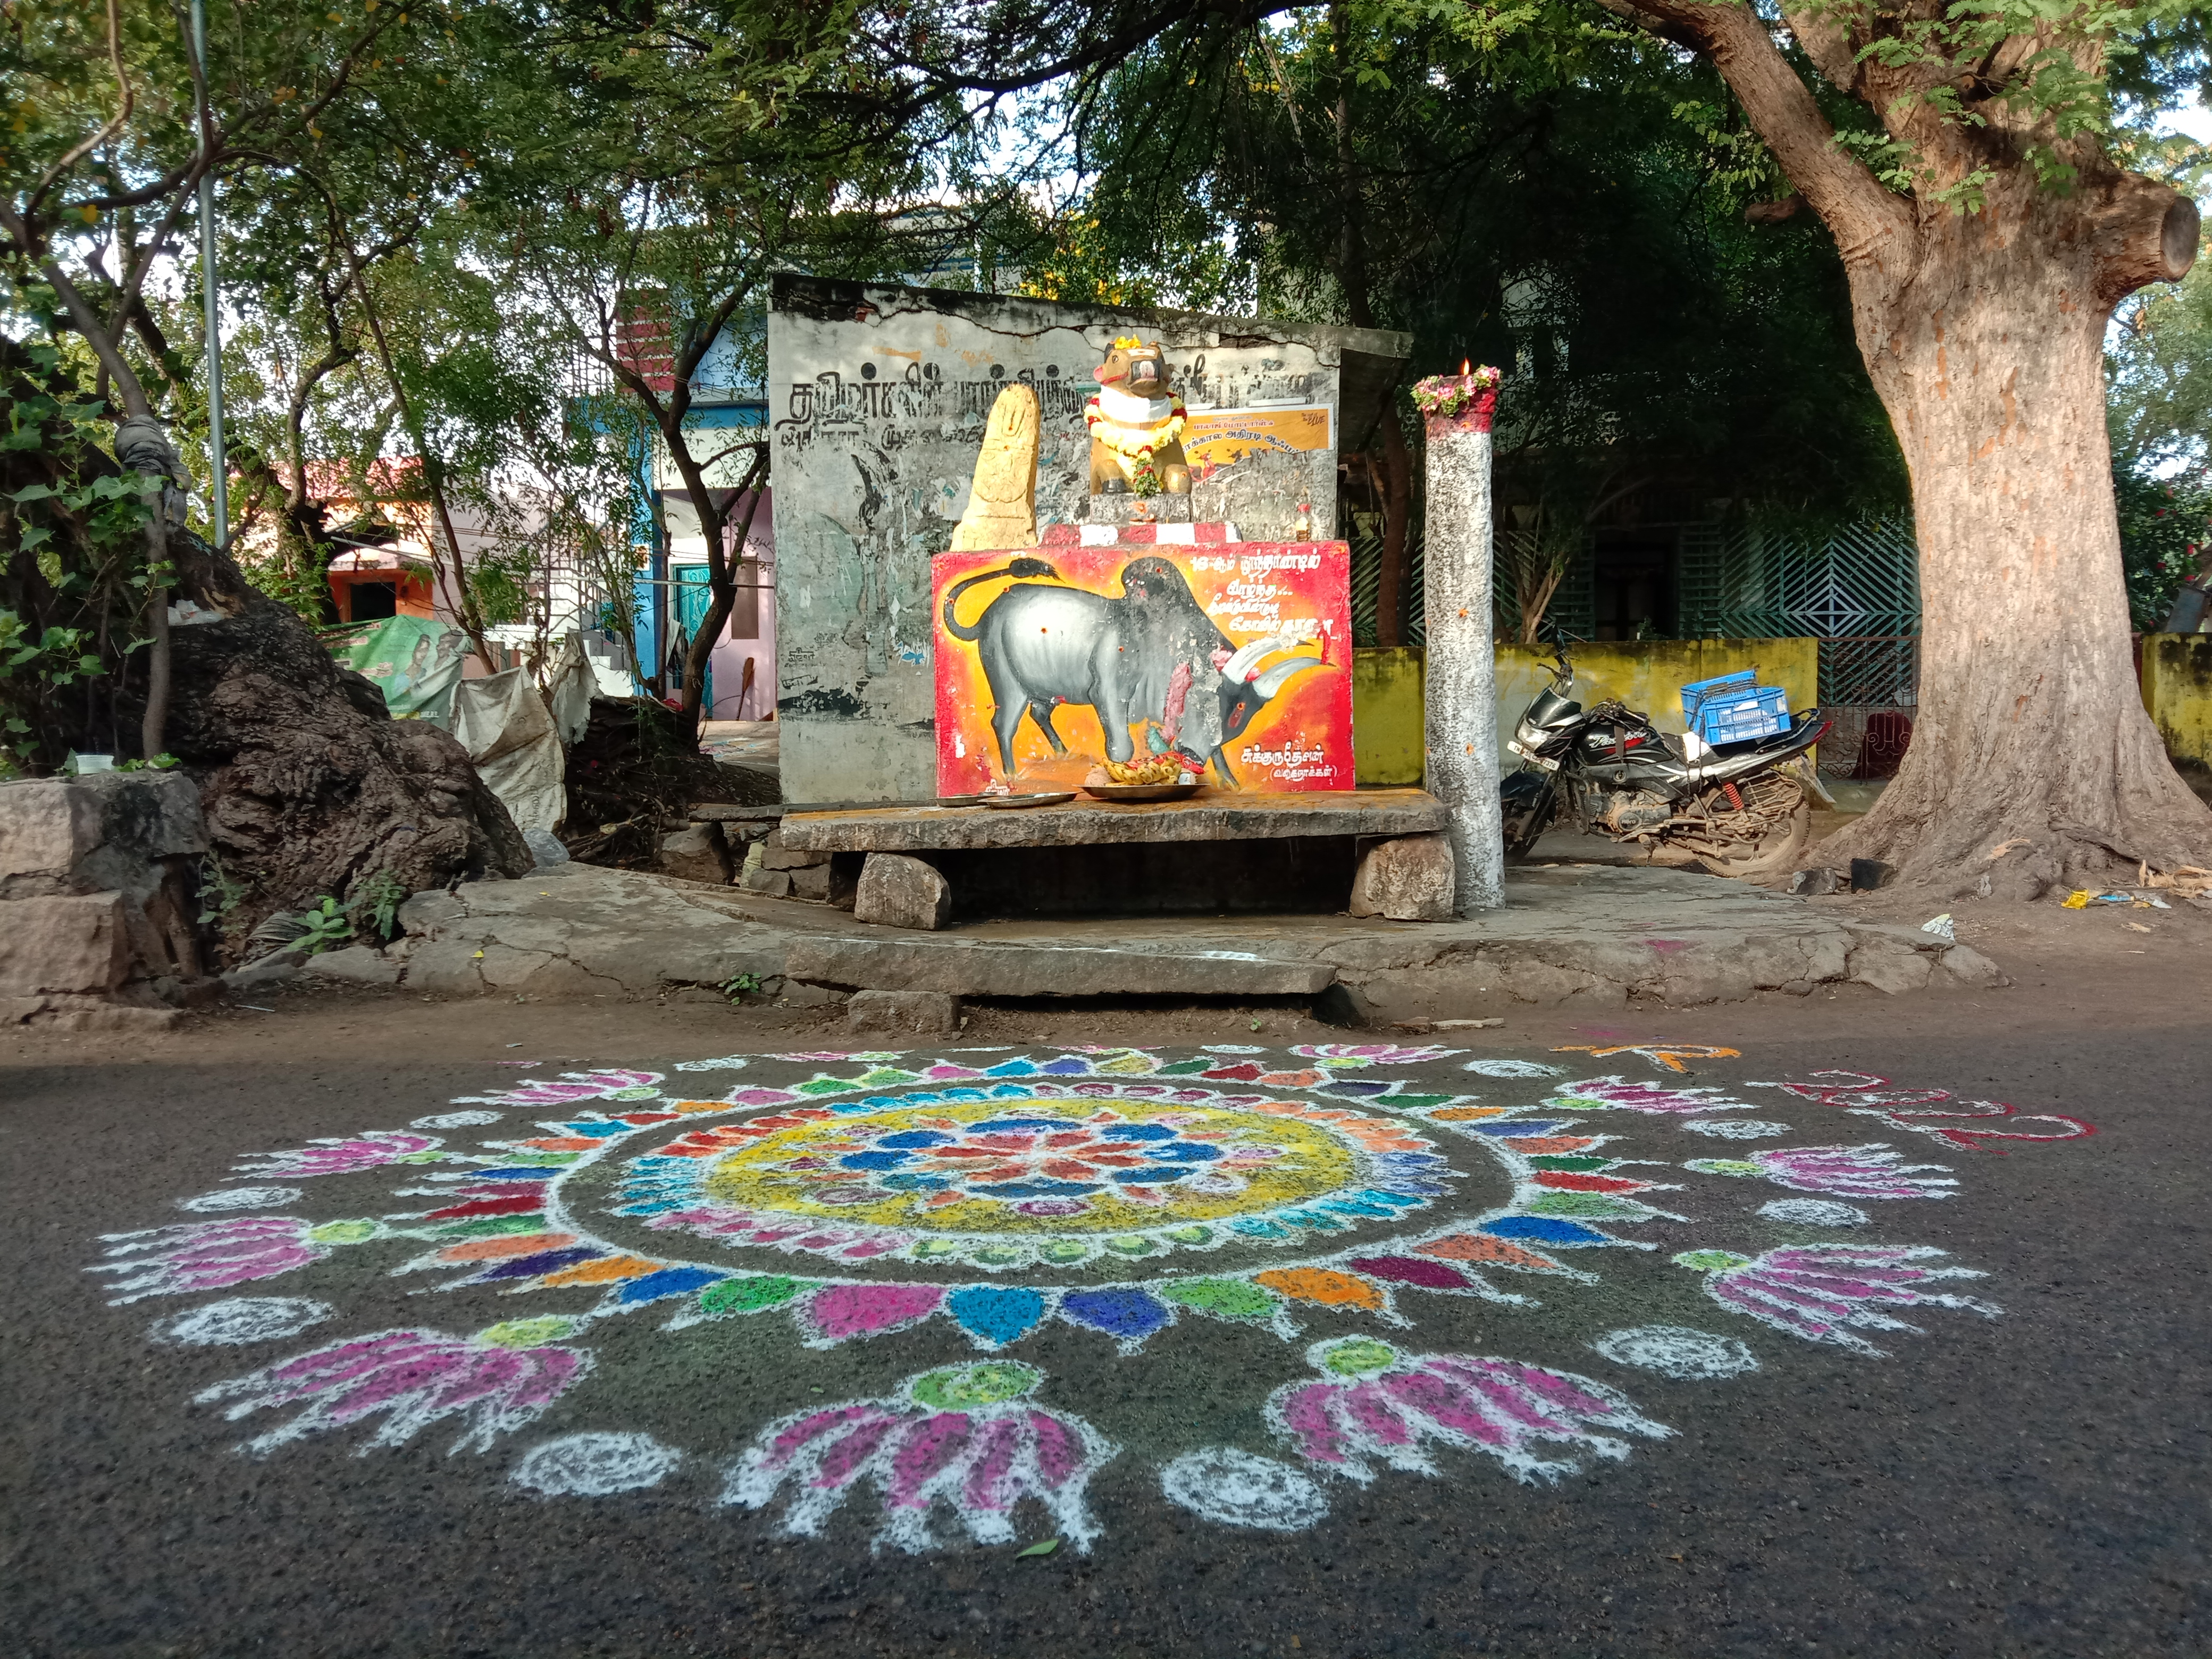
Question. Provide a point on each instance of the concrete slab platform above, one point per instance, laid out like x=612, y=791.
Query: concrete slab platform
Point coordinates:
x=1582, y=935
x=992, y=966
x=1211, y=814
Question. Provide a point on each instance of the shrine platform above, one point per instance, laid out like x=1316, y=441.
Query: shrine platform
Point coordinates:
x=1212, y=814
x=1374, y=852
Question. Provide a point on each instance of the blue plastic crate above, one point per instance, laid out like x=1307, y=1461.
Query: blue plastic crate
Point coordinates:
x=1761, y=712
x=1697, y=693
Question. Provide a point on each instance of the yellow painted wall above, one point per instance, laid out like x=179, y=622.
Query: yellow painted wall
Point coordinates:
x=1387, y=714
x=2177, y=690
x=1647, y=675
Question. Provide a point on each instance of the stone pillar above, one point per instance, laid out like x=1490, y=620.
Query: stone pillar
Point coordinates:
x=1461, y=697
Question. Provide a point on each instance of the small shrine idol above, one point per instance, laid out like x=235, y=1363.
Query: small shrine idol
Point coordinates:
x=1136, y=423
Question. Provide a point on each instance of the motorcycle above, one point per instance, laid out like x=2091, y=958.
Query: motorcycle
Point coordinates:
x=1740, y=809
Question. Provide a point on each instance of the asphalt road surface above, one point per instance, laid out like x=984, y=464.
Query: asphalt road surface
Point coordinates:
x=1331, y=1353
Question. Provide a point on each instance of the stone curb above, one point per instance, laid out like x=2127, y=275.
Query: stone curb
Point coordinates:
x=1594, y=936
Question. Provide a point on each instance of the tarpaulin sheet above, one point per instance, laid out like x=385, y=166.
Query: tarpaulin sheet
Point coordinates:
x=509, y=733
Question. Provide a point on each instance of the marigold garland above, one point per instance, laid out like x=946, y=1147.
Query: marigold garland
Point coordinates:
x=1114, y=434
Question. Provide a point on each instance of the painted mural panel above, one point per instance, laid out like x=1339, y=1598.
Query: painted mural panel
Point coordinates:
x=1234, y=656
x=878, y=397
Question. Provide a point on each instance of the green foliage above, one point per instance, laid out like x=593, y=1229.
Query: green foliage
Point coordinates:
x=73, y=587
x=221, y=893
x=326, y=926
x=741, y=987
x=372, y=903
x=2158, y=375
x=2165, y=525
x=1561, y=197
x=500, y=582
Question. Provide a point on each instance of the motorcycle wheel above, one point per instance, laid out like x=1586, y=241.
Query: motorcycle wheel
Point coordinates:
x=1524, y=824
x=1764, y=838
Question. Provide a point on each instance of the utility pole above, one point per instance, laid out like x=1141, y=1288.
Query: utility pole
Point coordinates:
x=218, y=466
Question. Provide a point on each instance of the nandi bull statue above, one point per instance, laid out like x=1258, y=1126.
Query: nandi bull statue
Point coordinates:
x=1151, y=654
x=1136, y=421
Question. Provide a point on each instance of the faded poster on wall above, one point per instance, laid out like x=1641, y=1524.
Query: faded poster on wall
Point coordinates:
x=1233, y=658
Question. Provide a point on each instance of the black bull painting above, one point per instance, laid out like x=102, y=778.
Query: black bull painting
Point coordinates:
x=1150, y=656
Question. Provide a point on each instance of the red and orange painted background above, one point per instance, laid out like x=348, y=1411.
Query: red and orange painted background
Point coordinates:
x=1300, y=740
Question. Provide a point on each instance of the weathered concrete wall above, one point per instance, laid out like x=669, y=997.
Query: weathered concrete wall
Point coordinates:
x=1649, y=674
x=1385, y=714
x=2177, y=690
x=878, y=397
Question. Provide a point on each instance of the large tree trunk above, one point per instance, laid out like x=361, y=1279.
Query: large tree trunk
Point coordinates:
x=1990, y=361
x=1980, y=297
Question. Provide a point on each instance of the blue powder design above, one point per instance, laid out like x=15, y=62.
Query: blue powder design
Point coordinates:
x=1544, y=1230
x=669, y=1281
x=1131, y=1316
x=996, y=1315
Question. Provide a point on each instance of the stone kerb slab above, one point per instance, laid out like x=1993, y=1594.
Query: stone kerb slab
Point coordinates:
x=1593, y=936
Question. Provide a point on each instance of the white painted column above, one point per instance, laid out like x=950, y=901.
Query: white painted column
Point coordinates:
x=1462, y=684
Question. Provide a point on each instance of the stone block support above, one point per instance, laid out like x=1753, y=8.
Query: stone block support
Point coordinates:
x=1461, y=693
x=898, y=891
x=1407, y=878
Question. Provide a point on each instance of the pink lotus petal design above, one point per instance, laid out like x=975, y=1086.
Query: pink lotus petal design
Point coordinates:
x=1401, y=1405
x=1372, y=1054
x=339, y=1156
x=572, y=1086
x=1870, y=1171
x=965, y=1439
x=1825, y=1292
x=208, y=1255
x=413, y=1379
x=1605, y=1091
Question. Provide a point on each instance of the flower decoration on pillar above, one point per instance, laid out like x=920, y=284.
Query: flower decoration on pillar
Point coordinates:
x=1468, y=400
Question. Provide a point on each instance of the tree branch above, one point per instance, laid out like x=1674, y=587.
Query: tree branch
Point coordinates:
x=1871, y=226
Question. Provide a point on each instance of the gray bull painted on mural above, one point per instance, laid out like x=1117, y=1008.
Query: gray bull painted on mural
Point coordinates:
x=1043, y=645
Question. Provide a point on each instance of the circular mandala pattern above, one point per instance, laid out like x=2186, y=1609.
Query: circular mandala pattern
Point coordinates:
x=1047, y=1167
x=976, y=1199
x=1063, y=1176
